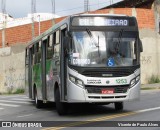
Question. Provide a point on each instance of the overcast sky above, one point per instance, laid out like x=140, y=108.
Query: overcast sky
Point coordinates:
x=20, y=8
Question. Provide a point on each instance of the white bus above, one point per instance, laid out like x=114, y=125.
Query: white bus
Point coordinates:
x=85, y=59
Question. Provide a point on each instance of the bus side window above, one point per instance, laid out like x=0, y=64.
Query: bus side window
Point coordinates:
x=37, y=53
x=54, y=41
x=56, y=51
x=27, y=57
x=33, y=54
x=56, y=45
x=49, y=47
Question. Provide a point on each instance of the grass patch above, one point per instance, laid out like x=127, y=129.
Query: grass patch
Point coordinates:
x=18, y=91
x=154, y=79
x=149, y=88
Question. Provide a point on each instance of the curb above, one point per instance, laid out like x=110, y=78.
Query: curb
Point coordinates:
x=154, y=86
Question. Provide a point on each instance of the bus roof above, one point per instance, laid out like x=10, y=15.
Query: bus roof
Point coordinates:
x=67, y=20
x=100, y=15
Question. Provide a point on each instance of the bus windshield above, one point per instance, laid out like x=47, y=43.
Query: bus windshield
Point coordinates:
x=103, y=49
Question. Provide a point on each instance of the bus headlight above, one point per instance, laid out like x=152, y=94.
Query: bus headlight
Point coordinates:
x=76, y=81
x=137, y=78
x=134, y=81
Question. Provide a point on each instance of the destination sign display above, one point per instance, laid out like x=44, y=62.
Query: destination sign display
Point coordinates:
x=101, y=21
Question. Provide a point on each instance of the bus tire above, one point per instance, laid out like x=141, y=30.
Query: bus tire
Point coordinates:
x=60, y=106
x=118, y=106
x=38, y=103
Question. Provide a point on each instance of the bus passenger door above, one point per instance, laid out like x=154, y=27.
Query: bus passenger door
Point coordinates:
x=43, y=64
x=63, y=66
x=30, y=72
x=56, y=56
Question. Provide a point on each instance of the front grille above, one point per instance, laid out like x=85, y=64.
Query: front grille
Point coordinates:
x=109, y=73
x=106, y=97
x=105, y=71
x=98, y=89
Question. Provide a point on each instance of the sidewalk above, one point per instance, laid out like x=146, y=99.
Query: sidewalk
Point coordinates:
x=154, y=86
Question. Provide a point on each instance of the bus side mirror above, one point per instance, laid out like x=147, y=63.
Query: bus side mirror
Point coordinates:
x=140, y=46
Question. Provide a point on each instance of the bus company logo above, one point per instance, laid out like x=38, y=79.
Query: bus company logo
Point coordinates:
x=107, y=75
x=94, y=81
x=107, y=82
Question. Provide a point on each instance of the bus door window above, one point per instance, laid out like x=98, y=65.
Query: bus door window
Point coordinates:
x=56, y=51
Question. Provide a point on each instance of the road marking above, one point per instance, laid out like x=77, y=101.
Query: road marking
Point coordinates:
x=9, y=105
x=13, y=96
x=102, y=119
x=26, y=97
x=15, y=102
x=147, y=110
x=24, y=115
x=21, y=99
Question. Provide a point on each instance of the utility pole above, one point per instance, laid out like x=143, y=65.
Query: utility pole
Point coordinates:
x=3, y=7
x=33, y=10
x=53, y=11
x=86, y=6
x=111, y=2
x=39, y=24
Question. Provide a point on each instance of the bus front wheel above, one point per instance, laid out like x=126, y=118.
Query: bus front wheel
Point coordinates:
x=118, y=106
x=60, y=106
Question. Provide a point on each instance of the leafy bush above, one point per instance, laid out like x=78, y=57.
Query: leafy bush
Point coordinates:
x=154, y=79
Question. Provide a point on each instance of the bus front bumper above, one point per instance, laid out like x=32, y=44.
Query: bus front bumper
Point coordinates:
x=76, y=94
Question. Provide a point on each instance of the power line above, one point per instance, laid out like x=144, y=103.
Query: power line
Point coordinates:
x=33, y=11
x=53, y=11
x=81, y=7
x=86, y=5
x=3, y=6
x=33, y=6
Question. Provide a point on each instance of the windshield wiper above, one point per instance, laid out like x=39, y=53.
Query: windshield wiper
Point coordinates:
x=119, y=40
x=93, y=40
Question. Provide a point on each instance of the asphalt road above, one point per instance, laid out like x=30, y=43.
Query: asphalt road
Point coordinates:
x=20, y=108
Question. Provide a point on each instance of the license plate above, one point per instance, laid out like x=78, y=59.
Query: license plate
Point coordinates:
x=107, y=91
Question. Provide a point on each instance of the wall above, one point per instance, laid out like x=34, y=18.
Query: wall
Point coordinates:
x=12, y=72
x=145, y=17
x=13, y=22
x=23, y=34
x=150, y=58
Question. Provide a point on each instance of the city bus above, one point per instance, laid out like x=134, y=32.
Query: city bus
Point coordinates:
x=87, y=58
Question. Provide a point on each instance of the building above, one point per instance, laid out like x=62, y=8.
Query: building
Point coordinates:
x=19, y=30
x=38, y=17
x=132, y=4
